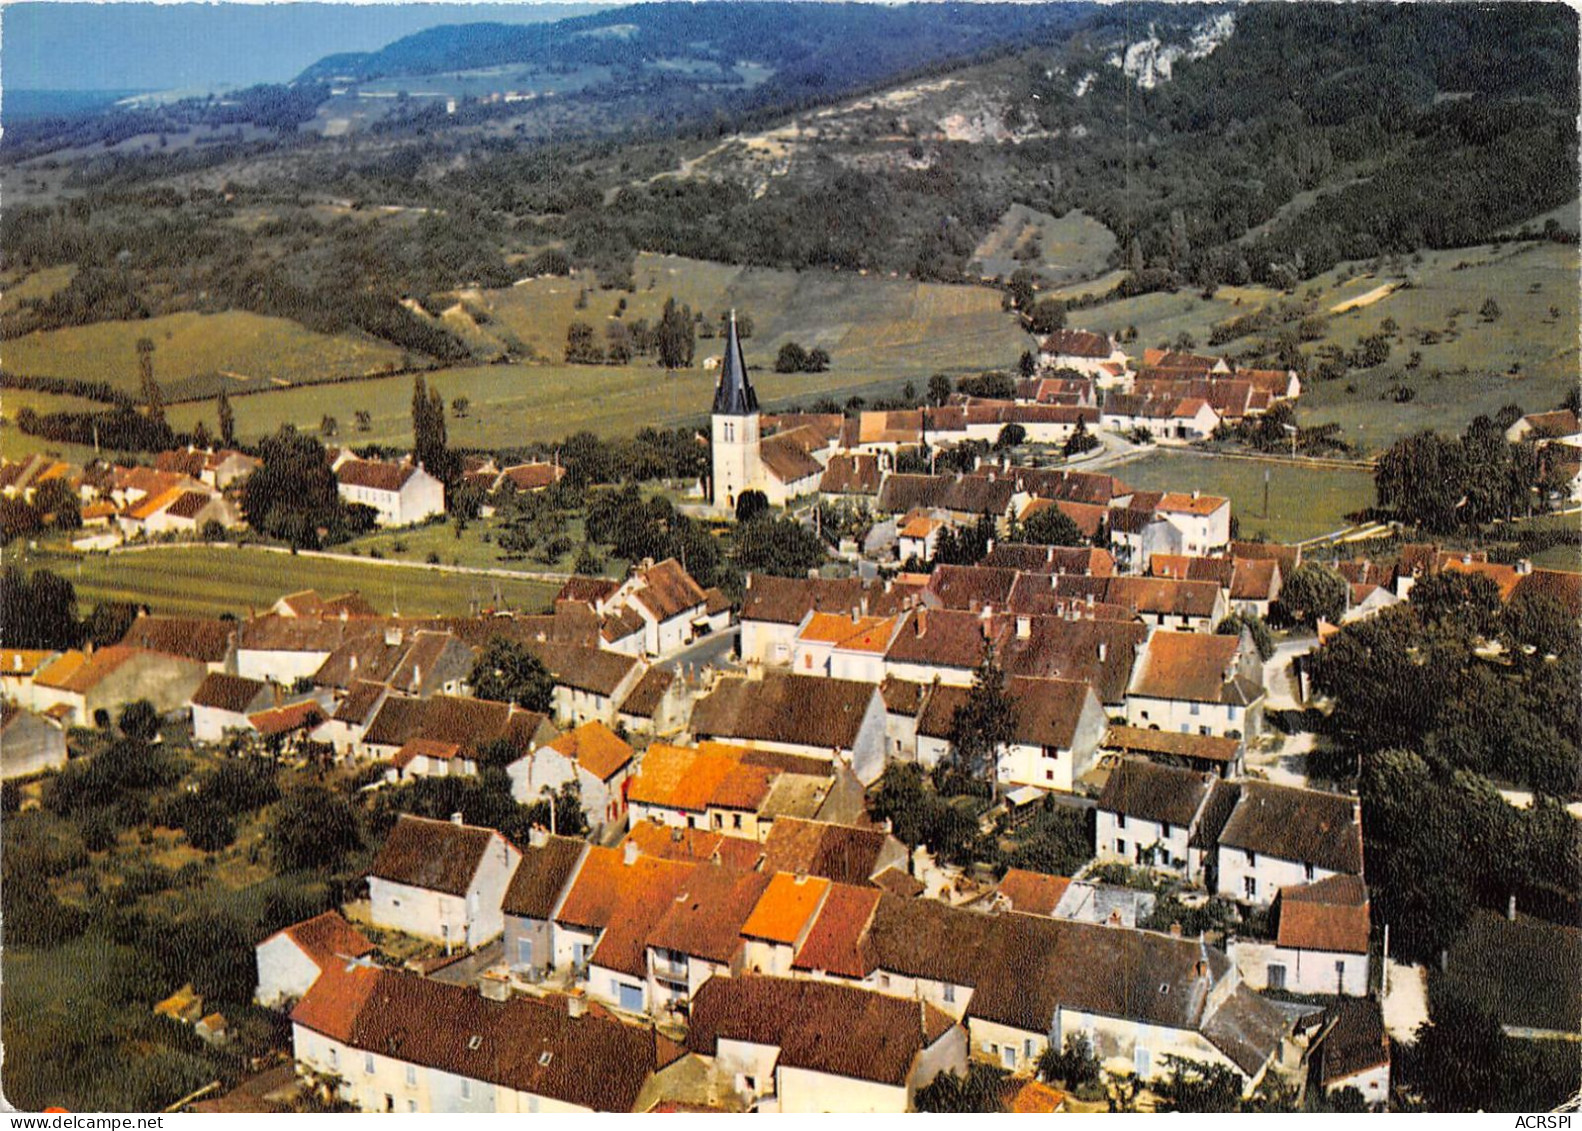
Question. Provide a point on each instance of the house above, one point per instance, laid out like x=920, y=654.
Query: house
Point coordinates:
x=590, y=683
x=395, y=1041
x=1137, y=534
x=1278, y=837
x=696, y=937
x=833, y=719
x=1147, y=815
x=308, y=603
x=963, y=498
x=18, y=667
x=287, y=728
x=347, y=726
x=853, y=477
x=1322, y=932
x=441, y=880
x=1058, y=726
x=1084, y=351
x=1352, y=1050
x=291, y=960
x=841, y=853
x=848, y=647
x=918, y=533
x=599, y=932
x=1137, y=996
x=471, y=728
x=1190, y=606
x=223, y=703
x=1200, y=752
x=659, y=704
x=207, y=639
x=92, y=688
x=1561, y=424
x=593, y=756
x=805, y=1046
x=1031, y=893
x=549, y=863
x=284, y=649
x=218, y=469
x=669, y=602
x=529, y=477
x=1198, y=683
x=400, y=493
x=774, y=608
x=29, y=743
x=726, y=789
x=1203, y=520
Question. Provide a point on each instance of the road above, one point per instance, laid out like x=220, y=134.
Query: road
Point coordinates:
x=714, y=649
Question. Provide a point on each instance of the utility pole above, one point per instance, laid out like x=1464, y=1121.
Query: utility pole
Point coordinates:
x=1266, y=492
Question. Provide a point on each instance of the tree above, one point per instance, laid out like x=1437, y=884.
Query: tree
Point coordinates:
x=328, y=426
x=461, y=406
x=779, y=546
x=1027, y=364
x=1312, y=593
x=581, y=349
x=1047, y=316
x=139, y=721
x=364, y=419
x=38, y=611
x=1052, y=527
x=294, y=492
x=1193, y=1085
x=313, y=828
x=153, y=397
x=1010, y=436
x=817, y=360
x=986, y=723
x=792, y=358
x=1080, y=440
x=1490, y=310
x=429, y=441
x=938, y=389
x=1262, y=639
x=675, y=336
x=227, y=417
x=978, y=1091
x=1075, y=1065
x=507, y=672
x=109, y=622
x=750, y=505
x=1458, y=600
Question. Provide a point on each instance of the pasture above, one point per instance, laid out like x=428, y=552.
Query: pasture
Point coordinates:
x=195, y=355
x=1304, y=502
x=1069, y=249
x=209, y=581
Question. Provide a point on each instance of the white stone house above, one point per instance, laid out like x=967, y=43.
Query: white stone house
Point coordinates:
x=441, y=880
x=401, y=493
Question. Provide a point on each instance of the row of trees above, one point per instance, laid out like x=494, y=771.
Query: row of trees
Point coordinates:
x=1444, y=484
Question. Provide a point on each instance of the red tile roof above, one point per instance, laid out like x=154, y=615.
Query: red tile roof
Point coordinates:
x=596, y=748
x=1033, y=893
x=1330, y=915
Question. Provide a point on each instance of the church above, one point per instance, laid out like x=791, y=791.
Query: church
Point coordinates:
x=781, y=466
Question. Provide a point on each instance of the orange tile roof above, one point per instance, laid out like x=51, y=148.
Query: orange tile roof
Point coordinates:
x=838, y=941
x=671, y=842
x=1178, y=503
x=607, y=888
x=23, y=661
x=155, y=503
x=1330, y=915
x=337, y=998
x=1033, y=893
x=327, y=936
x=920, y=527
x=78, y=672
x=677, y=777
x=1035, y=1098
x=864, y=634
x=596, y=748
x=785, y=908
x=280, y=720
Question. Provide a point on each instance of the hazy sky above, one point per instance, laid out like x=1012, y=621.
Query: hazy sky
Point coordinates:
x=132, y=46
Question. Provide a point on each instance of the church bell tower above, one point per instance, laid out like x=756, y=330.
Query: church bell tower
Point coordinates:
x=736, y=465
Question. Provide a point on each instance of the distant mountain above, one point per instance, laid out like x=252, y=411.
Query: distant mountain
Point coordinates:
x=809, y=45
x=141, y=46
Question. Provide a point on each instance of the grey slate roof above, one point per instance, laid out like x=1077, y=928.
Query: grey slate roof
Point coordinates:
x=734, y=395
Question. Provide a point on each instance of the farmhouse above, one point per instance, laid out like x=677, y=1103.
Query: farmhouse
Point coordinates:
x=441, y=880
x=400, y=493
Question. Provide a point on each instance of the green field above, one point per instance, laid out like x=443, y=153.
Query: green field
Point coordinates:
x=197, y=354
x=208, y=581
x=1474, y=360
x=1074, y=247
x=1303, y=502
x=880, y=333
x=38, y=284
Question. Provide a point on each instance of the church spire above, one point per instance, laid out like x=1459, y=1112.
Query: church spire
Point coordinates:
x=734, y=395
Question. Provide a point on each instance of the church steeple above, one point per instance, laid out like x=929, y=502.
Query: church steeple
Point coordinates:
x=734, y=395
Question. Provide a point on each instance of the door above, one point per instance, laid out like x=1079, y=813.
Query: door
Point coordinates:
x=1276, y=976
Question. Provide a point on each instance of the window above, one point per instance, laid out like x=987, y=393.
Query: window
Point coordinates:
x=1308, y=868
x=950, y=994
x=1340, y=970
x=1027, y=1049
x=1231, y=711
x=524, y=952
x=1008, y=1056
x=580, y=953
x=736, y=820
x=884, y=981
x=1250, y=886
x=1142, y=1061
x=1120, y=848
x=1164, y=831
x=335, y=1060
x=411, y=1075
x=466, y=1088
x=368, y=1063
x=630, y=998
x=411, y=1107
x=1276, y=976
x=1120, y=820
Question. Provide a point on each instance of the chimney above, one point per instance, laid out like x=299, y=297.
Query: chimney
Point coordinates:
x=1175, y=929
x=1024, y=627
x=537, y=836
x=1510, y=907
x=16, y=662
x=417, y=676
x=749, y=584
x=393, y=636
x=576, y=1005
x=1104, y=651
x=629, y=852
x=455, y=819
x=1194, y=493
x=1115, y=918
x=989, y=546
x=354, y=663
x=864, y=604
x=1524, y=567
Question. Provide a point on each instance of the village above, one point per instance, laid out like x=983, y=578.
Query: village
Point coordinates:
x=1017, y=791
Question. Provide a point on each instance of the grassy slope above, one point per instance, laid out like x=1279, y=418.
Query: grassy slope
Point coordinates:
x=879, y=332
x=205, y=581
x=1075, y=247
x=1303, y=502
x=38, y=284
x=1545, y=349
x=250, y=348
